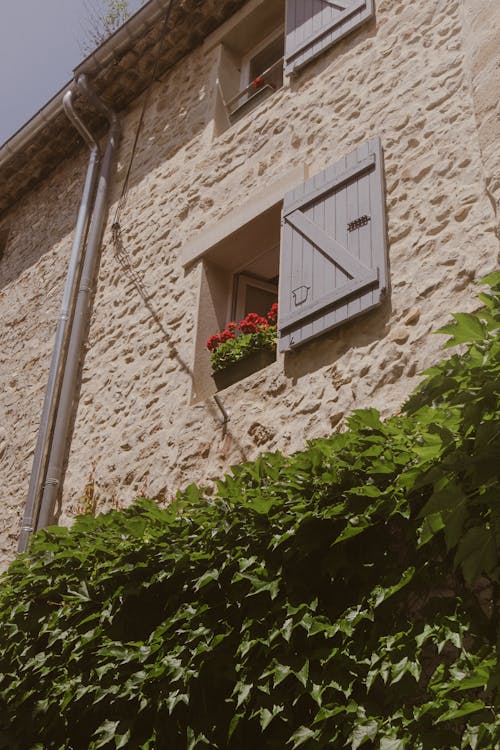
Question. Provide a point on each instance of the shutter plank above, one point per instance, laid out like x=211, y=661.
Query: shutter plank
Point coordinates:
x=368, y=279
x=327, y=245
x=378, y=226
x=315, y=25
x=364, y=232
x=320, y=263
x=336, y=181
x=290, y=264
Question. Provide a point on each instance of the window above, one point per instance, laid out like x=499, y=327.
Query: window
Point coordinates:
x=261, y=75
x=238, y=263
x=250, y=49
x=255, y=293
x=320, y=249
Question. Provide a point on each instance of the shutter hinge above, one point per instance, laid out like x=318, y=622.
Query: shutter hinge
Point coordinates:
x=357, y=223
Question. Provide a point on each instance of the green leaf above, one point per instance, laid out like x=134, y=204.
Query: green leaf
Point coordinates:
x=122, y=740
x=364, y=731
x=105, y=733
x=476, y=553
x=206, y=578
x=266, y=716
x=432, y=524
x=366, y=418
x=301, y=736
x=463, y=709
x=466, y=328
x=392, y=743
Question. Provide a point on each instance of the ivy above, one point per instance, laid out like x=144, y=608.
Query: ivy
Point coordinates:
x=342, y=597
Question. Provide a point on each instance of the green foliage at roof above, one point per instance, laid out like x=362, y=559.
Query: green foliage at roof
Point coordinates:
x=342, y=597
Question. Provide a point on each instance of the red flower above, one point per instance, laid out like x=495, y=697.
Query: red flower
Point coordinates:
x=213, y=342
x=252, y=323
x=273, y=313
x=226, y=336
x=231, y=326
x=259, y=81
x=247, y=326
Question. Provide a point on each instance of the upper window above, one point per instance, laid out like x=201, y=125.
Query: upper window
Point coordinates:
x=268, y=39
x=261, y=74
x=250, y=48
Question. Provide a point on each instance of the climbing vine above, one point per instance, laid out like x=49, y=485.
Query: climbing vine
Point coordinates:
x=343, y=597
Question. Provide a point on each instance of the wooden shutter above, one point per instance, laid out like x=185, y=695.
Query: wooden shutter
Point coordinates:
x=333, y=263
x=314, y=25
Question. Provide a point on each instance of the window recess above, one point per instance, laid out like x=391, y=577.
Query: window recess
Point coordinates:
x=238, y=264
x=261, y=75
x=250, y=49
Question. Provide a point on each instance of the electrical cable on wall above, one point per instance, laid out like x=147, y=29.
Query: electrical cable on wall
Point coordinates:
x=116, y=229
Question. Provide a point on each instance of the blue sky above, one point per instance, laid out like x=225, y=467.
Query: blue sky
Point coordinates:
x=39, y=47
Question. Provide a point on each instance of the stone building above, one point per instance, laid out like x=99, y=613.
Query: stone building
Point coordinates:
x=340, y=156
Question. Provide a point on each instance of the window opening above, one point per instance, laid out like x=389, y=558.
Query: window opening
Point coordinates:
x=261, y=74
x=253, y=294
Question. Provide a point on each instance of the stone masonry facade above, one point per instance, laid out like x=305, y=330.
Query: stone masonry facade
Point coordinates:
x=422, y=76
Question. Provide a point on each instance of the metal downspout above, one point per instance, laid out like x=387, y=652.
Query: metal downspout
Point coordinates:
x=63, y=330
x=62, y=437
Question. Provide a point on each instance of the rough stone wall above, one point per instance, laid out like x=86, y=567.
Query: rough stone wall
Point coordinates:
x=411, y=77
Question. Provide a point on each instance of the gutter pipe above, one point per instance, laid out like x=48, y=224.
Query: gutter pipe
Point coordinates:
x=63, y=330
x=62, y=429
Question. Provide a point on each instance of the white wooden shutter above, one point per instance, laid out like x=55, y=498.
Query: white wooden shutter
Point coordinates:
x=314, y=25
x=333, y=261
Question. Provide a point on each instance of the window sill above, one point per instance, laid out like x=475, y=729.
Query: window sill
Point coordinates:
x=251, y=103
x=243, y=369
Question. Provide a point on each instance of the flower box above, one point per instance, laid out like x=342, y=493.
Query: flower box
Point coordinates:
x=243, y=368
x=243, y=348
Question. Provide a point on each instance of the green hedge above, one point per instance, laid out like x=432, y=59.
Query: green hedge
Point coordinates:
x=343, y=597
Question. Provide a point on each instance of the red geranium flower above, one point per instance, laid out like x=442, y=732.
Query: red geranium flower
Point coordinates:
x=226, y=336
x=213, y=342
x=273, y=312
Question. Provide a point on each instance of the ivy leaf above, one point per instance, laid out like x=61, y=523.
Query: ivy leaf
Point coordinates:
x=366, y=418
x=465, y=329
x=122, y=740
x=303, y=674
x=208, y=577
x=266, y=716
x=392, y=743
x=363, y=732
x=432, y=524
x=476, y=553
x=105, y=733
x=461, y=710
x=301, y=736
